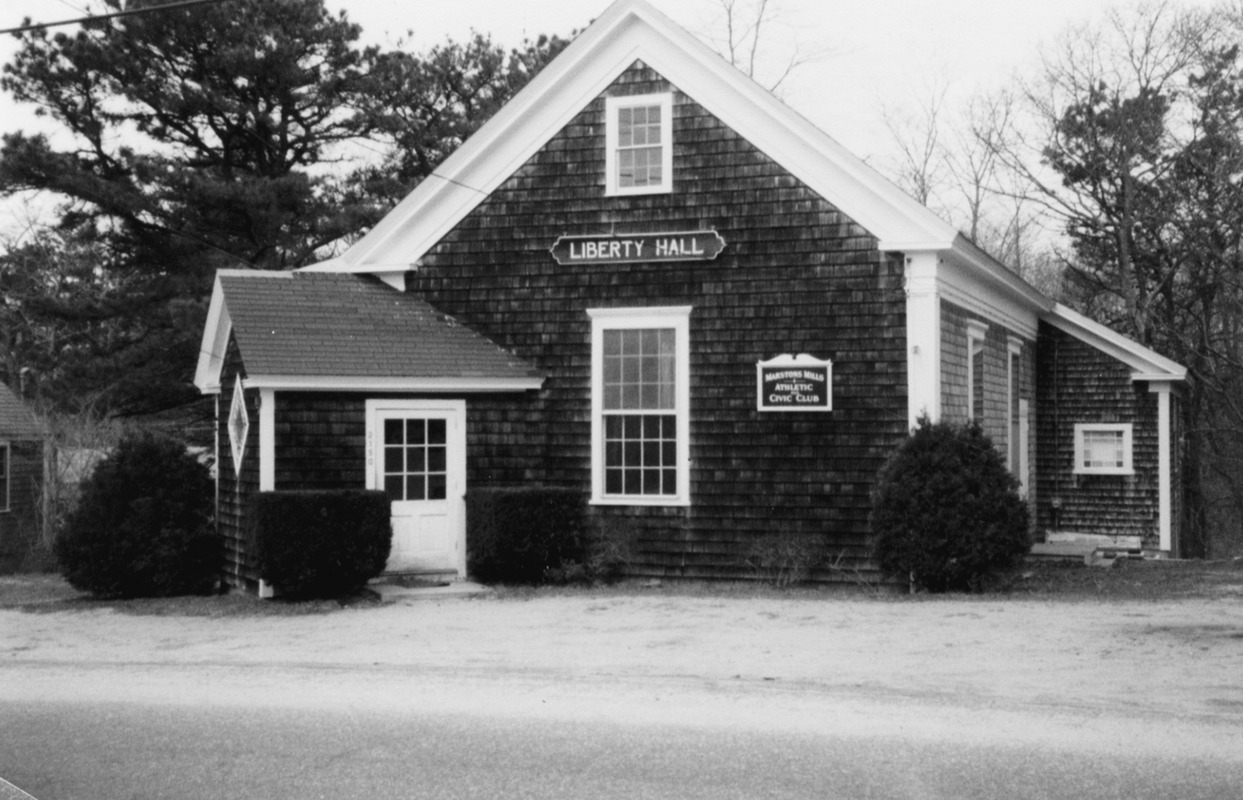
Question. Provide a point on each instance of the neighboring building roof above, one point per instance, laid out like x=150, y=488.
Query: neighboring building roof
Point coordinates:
x=338, y=331
x=1145, y=364
x=16, y=421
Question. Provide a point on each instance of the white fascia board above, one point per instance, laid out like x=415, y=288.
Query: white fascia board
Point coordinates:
x=993, y=271
x=302, y=383
x=217, y=328
x=1147, y=364
x=214, y=343
x=966, y=286
x=633, y=30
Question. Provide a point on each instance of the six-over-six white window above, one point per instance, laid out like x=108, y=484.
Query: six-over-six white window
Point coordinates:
x=639, y=144
x=640, y=399
x=1103, y=449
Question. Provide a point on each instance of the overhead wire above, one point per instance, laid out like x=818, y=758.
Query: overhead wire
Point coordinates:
x=35, y=26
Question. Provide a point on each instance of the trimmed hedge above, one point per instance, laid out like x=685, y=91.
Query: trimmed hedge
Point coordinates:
x=946, y=513
x=142, y=524
x=520, y=535
x=320, y=543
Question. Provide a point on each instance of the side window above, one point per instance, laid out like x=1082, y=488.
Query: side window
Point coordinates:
x=1103, y=449
x=975, y=369
x=1014, y=371
x=640, y=399
x=639, y=144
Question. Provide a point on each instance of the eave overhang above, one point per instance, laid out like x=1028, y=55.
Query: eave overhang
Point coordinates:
x=1146, y=364
x=350, y=383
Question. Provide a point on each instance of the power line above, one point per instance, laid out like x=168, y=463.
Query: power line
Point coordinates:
x=95, y=18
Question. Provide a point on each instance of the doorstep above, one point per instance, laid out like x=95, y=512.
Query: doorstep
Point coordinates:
x=392, y=589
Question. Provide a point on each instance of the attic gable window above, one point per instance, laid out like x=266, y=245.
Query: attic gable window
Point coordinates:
x=639, y=144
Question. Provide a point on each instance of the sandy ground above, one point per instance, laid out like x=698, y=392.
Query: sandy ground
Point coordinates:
x=1165, y=678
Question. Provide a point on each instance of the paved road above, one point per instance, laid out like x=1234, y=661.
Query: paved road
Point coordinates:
x=306, y=731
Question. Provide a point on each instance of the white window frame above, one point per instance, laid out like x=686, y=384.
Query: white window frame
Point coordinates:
x=676, y=318
x=7, y=478
x=1128, y=464
x=976, y=332
x=612, y=106
x=1014, y=449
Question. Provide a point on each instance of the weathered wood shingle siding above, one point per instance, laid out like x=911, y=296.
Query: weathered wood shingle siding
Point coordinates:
x=797, y=276
x=1080, y=384
x=955, y=404
x=321, y=439
x=19, y=524
x=236, y=489
x=954, y=367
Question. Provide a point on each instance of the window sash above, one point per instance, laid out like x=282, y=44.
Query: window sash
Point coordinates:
x=640, y=368
x=1103, y=449
x=640, y=406
x=415, y=458
x=638, y=144
x=640, y=454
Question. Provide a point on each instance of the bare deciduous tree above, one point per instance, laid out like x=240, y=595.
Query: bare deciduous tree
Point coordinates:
x=749, y=27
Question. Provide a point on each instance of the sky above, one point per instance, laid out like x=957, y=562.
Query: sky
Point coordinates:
x=870, y=56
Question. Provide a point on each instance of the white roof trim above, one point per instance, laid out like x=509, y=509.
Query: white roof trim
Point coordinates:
x=345, y=383
x=217, y=329
x=631, y=30
x=1146, y=364
x=214, y=343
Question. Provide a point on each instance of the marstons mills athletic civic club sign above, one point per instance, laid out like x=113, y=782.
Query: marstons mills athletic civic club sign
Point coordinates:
x=628, y=248
x=794, y=383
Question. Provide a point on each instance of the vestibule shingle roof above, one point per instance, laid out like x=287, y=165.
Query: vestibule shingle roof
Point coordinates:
x=323, y=325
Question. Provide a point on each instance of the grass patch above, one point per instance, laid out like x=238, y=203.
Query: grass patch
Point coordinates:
x=1129, y=580
x=50, y=594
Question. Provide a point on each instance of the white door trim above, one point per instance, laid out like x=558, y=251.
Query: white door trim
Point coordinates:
x=455, y=492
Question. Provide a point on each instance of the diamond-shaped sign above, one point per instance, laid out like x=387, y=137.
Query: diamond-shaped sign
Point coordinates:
x=239, y=425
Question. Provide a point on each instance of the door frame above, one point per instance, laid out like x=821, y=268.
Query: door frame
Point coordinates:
x=455, y=440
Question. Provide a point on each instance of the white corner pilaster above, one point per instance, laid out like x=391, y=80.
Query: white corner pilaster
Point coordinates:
x=267, y=458
x=923, y=337
x=267, y=440
x=1164, y=465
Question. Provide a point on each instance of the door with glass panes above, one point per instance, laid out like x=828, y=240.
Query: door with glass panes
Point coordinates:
x=416, y=454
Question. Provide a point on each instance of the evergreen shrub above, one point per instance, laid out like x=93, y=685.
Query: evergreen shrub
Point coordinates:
x=142, y=524
x=320, y=544
x=519, y=535
x=946, y=513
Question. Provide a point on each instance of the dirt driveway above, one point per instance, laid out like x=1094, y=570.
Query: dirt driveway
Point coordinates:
x=1163, y=676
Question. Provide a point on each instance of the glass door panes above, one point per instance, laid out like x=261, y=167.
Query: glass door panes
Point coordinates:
x=415, y=459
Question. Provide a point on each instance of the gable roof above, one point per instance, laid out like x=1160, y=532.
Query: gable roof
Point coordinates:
x=348, y=332
x=1145, y=364
x=16, y=421
x=630, y=31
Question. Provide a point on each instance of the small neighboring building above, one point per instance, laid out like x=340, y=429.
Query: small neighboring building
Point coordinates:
x=649, y=280
x=21, y=481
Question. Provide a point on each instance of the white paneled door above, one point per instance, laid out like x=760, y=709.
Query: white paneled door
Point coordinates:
x=416, y=454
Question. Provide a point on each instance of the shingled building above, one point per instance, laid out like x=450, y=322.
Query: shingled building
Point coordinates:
x=648, y=280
